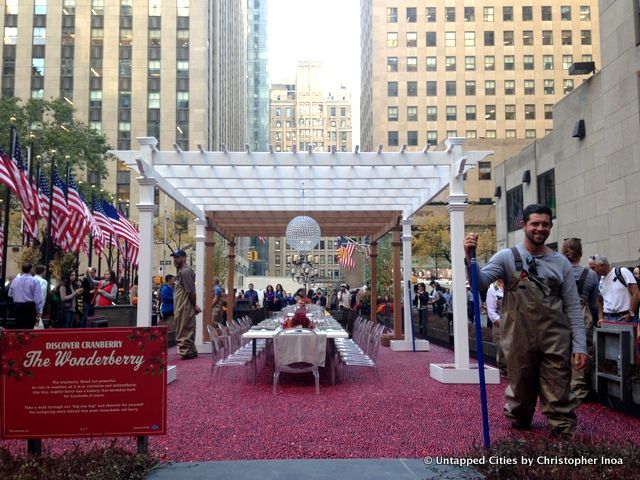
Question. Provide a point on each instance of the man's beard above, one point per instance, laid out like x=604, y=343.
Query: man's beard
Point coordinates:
x=532, y=239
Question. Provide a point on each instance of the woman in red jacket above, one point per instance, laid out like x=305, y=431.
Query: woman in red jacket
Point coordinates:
x=107, y=290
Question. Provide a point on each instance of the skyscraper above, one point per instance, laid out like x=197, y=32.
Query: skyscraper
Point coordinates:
x=257, y=76
x=489, y=70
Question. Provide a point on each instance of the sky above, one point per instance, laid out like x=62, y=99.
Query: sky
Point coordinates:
x=325, y=30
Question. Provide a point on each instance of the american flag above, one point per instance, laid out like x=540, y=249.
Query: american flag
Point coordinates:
x=58, y=234
x=61, y=219
x=5, y=175
x=345, y=251
x=124, y=230
x=80, y=217
x=103, y=223
x=1, y=243
x=24, y=190
x=262, y=239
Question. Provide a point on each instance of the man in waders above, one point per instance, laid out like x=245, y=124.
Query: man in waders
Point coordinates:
x=184, y=306
x=542, y=325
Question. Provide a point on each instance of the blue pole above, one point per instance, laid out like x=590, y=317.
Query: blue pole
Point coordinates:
x=413, y=337
x=476, y=315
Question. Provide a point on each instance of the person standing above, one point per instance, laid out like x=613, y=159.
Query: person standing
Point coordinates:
x=89, y=282
x=27, y=298
x=344, y=298
x=216, y=303
x=587, y=284
x=421, y=302
x=185, y=308
x=166, y=302
x=495, y=294
x=252, y=296
x=106, y=292
x=543, y=328
x=69, y=292
x=39, y=271
x=619, y=295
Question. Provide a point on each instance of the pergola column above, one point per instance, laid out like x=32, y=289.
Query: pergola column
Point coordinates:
x=409, y=343
x=200, y=263
x=209, y=277
x=373, y=256
x=457, y=203
x=147, y=210
x=231, y=266
x=397, y=286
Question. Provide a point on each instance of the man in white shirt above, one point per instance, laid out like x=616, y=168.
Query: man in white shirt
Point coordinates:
x=495, y=293
x=27, y=298
x=619, y=295
x=39, y=271
x=344, y=297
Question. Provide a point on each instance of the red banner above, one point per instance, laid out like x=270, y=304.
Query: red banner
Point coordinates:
x=83, y=382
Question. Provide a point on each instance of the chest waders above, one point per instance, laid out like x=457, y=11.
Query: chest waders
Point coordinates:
x=185, y=317
x=536, y=339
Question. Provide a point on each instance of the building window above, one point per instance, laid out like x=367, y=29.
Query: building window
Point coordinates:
x=547, y=190
x=509, y=62
x=530, y=112
x=507, y=14
x=449, y=39
x=527, y=61
x=470, y=87
x=450, y=14
x=412, y=64
x=585, y=37
x=548, y=111
x=392, y=89
x=487, y=14
x=489, y=39
x=430, y=14
x=469, y=63
x=509, y=112
x=412, y=39
x=412, y=138
x=546, y=13
x=489, y=112
x=432, y=88
x=451, y=113
x=154, y=8
x=549, y=88
x=392, y=138
x=489, y=63
x=182, y=100
x=392, y=39
x=484, y=170
x=547, y=62
x=567, y=39
x=412, y=89
x=530, y=133
x=567, y=60
x=509, y=87
x=585, y=13
x=529, y=87
x=392, y=64
x=450, y=64
x=469, y=39
x=527, y=38
x=430, y=38
x=527, y=14
x=587, y=57
x=567, y=85
x=451, y=134
x=432, y=114
x=392, y=15
x=510, y=133
x=565, y=12
x=183, y=8
x=508, y=38
x=412, y=114
x=470, y=112
x=471, y=134
x=489, y=87
x=431, y=63
x=450, y=88
x=469, y=14
x=514, y=208
x=392, y=114
x=412, y=15
x=432, y=137
x=490, y=134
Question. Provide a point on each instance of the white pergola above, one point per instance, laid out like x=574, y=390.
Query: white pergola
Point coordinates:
x=239, y=194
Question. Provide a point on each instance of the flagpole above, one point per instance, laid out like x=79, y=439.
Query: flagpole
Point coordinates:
x=47, y=257
x=90, y=260
x=5, y=228
x=110, y=258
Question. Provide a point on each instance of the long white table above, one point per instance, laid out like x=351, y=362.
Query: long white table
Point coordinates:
x=331, y=333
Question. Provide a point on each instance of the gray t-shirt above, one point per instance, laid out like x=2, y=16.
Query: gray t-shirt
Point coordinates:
x=589, y=289
x=553, y=265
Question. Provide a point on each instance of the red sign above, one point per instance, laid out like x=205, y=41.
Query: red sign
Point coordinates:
x=83, y=382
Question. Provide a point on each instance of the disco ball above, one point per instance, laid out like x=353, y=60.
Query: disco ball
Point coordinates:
x=303, y=233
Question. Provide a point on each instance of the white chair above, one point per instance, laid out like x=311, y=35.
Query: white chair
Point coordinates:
x=220, y=356
x=296, y=351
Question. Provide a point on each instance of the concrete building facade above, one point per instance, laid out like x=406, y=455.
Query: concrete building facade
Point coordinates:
x=257, y=76
x=592, y=172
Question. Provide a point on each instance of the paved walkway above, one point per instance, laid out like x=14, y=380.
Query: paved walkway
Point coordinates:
x=312, y=469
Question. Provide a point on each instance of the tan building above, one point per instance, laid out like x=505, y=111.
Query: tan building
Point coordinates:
x=305, y=115
x=487, y=70
x=166, y=69
x=588, y=169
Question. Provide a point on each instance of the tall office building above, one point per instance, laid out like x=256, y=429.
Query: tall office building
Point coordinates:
x=257, y=76
x=494, y=70
x=133, y=68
